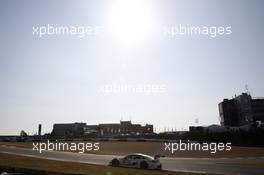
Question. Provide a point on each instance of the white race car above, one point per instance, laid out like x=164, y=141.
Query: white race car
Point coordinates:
x=137, y=160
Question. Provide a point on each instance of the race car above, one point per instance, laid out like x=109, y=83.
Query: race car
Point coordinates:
x=137, y=160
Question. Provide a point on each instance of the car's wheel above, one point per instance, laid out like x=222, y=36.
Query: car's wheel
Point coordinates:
x=115, y=162
x=144, y=165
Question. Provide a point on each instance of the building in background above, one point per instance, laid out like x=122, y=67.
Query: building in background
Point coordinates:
x=77, y=130
x=124, y=128
x=72, y=130
x=228, y=113
x=241, y=110
x=257, y=108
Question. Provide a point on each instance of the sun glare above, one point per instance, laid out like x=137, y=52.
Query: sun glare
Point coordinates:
x=130, y=20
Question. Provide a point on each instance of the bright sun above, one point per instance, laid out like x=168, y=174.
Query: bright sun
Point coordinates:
x=130, y=20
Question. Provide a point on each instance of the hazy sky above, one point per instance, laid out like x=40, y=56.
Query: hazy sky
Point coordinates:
x=57, y=78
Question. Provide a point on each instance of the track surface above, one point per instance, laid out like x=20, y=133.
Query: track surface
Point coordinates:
x=230, y=166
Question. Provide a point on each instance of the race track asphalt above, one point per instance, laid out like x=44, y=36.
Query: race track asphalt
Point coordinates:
x=228, y=166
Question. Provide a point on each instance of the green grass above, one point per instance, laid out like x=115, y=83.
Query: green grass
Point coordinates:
x=18, y=144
